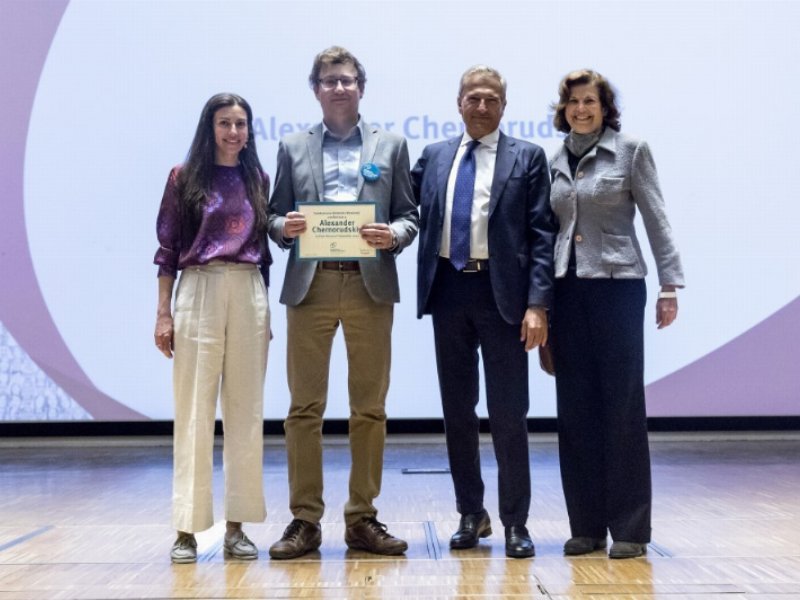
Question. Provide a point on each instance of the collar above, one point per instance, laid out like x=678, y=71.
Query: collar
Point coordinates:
x=490, y=139
x=326, y=132
x=608, y=141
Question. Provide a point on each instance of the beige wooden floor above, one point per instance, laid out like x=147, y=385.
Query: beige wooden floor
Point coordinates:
x=89, y=519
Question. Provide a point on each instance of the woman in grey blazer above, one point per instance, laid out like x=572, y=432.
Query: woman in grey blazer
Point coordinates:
x=599, y=179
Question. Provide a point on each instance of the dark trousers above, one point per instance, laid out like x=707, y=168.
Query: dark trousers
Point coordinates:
x=598, y=348
x=466, y=318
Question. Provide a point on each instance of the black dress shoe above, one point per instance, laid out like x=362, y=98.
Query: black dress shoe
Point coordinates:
x=470, y=529
x=518, y=542
x=627, y=550
x=575, y=546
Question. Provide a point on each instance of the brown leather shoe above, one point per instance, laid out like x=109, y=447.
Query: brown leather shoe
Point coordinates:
x=372, y=536
x=299, y=538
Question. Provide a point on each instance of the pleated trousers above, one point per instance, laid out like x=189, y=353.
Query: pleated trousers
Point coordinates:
x=221, y=324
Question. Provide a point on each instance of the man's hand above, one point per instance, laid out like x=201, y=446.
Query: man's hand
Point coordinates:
x=294, y=225
x=378, y=236
x=534, y=328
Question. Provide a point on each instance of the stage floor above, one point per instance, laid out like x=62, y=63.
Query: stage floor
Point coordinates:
x=89, y=519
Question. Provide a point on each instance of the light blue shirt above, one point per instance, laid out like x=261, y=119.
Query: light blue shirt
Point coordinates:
x=341, y=159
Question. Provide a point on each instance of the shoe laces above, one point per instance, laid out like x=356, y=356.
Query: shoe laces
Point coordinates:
x=379, y=528
x=293, y=530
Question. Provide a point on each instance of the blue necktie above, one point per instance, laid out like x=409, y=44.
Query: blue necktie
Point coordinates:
x=461, y=215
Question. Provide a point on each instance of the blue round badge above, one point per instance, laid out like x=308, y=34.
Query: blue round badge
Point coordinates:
x=370, y=171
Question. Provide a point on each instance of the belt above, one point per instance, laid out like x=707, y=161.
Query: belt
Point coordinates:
x=339, y=265
x=476, y=265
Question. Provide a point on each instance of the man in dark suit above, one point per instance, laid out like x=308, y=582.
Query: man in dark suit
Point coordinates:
x=341, y=159
x=485, y=274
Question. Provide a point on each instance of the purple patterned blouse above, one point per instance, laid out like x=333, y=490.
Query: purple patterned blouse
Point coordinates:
x=225, y=232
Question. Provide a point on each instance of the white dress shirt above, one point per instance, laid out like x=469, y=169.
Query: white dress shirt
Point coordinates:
x=485, y=158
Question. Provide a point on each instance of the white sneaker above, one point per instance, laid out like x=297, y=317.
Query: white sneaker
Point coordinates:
x=184, y=550
x=239, y=546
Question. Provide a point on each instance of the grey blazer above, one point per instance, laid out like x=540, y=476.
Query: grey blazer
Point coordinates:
x=596, y=212
x=299, y=178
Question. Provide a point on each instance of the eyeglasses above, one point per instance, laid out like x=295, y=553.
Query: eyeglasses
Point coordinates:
x=330, y=83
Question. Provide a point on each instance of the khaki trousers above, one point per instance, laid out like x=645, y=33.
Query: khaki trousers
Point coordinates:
x=337, y=297
x=221, y=340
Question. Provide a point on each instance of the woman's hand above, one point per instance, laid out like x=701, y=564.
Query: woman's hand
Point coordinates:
x=666, y=308
x=163, y=335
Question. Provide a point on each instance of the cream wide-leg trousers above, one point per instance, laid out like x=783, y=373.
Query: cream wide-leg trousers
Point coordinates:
x=221, y=321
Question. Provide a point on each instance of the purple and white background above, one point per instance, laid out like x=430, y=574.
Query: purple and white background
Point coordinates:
x=101, y=99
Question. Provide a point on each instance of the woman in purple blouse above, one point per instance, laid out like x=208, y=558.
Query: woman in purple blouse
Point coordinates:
x=211, y=227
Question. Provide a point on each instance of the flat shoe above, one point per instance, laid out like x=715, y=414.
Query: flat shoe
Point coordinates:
x=627, y=550
x=575, y=546
x=239, y=546
x=184, y=550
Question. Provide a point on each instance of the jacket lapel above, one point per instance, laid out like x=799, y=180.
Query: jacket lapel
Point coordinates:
x=504, y=163
x=443, y=168
x=314, y=145
x=608, y=141
x=560, y=164
x=370, y=136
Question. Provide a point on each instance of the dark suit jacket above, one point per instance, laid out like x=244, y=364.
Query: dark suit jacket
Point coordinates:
x=521, y=225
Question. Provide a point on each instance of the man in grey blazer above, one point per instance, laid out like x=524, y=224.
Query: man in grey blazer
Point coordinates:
x=488, y=292
x=341, y=159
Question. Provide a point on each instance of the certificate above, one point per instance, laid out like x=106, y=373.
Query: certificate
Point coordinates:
x=332, y=231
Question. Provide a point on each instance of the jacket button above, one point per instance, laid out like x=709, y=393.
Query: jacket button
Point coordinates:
x=579, y=238
x=580, y=174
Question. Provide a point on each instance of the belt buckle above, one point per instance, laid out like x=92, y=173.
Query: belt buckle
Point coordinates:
x=475, y=265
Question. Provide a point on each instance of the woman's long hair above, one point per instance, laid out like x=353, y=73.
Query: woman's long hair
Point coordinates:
x=194, y=181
